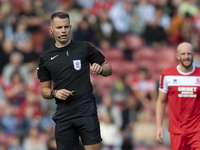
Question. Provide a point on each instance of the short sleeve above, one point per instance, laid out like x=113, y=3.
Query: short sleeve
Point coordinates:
x=163, y=86
x=94, y=55
x=42, y=73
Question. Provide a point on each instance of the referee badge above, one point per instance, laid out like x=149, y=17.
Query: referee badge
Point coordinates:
x=77, y=64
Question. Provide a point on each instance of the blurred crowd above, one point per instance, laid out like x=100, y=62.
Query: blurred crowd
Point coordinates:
x=137, y=37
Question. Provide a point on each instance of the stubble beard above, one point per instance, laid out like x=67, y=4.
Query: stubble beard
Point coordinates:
x=187, y=66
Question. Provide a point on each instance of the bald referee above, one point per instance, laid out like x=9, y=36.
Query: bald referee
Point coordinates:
x=67, y=64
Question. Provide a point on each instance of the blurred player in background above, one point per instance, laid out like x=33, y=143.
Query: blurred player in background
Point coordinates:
x=182, y=86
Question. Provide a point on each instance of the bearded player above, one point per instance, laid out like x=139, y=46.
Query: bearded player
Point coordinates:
x=182, y=86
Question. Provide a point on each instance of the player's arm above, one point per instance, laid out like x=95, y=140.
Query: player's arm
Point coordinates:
x=160, y=111
x=47, y=93
x=105, y=69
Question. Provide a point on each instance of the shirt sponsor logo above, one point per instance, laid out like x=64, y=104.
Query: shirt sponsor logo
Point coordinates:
x=187, y=91
x=77, y=64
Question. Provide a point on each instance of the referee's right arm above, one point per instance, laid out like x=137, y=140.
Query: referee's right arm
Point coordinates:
x=48, y=93
x=46, y=89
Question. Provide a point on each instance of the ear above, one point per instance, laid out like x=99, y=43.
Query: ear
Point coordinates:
x=50, y=30
x=177, y=56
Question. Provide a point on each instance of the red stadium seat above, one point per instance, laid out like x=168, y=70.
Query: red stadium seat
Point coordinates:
x=105, y=82
x=116, y=66
x=128, y=67
x=113, y=54
x=121, y=67
x=133, y=41
x=149, y=64
x=167, y=54
x=144, y=53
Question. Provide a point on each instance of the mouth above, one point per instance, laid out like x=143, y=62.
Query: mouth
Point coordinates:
x=63, y=36
x=187, y=61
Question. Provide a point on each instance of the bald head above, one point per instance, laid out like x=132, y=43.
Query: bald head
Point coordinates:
x=185, y=54
x=184, y=45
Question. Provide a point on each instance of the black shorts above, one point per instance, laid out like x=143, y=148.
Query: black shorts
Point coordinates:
x=74, y=120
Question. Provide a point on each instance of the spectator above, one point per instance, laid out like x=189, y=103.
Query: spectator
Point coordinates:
x=28, y=120
x=21, y=35
x=15, y=91
x=97, y=91
x=38, y=8
x=120, y=14
x=6, y=47
x=168, y=6
x=154, y=34
x=148, y=8
x=110, y=132
x=15, y=143
x=120, y=90
x=30, y=56
x=101, y=6
x=34, y=84
x=86, y=4
x=31, y=99
x=9, y=123
x=29, y=17
x=129, y=113
x=1, y=34
x=108, y=106
x=144, y=130
x=15, y=62
x=84, y=32
x=33, y=140
x=46, y=123
x=187, y=31
x=105, y=31
x=144, y=89
x=188, y=6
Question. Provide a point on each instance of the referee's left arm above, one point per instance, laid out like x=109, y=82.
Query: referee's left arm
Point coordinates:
x=105, y=69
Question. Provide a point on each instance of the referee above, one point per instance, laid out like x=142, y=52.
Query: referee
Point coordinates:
x=67, y=64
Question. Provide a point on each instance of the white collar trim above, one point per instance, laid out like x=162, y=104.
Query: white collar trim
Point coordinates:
x=183, y=73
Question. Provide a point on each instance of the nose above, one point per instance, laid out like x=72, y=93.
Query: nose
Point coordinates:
x=187, y=55
x=63, y=29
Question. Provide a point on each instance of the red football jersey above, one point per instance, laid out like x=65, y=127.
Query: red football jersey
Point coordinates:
x=183, y=91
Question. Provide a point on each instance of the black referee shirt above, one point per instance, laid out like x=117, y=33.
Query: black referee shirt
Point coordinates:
x=68, y=67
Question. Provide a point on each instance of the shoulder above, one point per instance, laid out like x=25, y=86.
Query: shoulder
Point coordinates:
x=197, y=70
x=81, y=43
x=170, y=71
x=46, y=52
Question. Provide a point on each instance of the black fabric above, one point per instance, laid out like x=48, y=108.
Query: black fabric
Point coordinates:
x=63, y=71
x=77, y=119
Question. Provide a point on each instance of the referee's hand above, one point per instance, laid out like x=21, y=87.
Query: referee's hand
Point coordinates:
x=96, y=68
x=63, y=94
